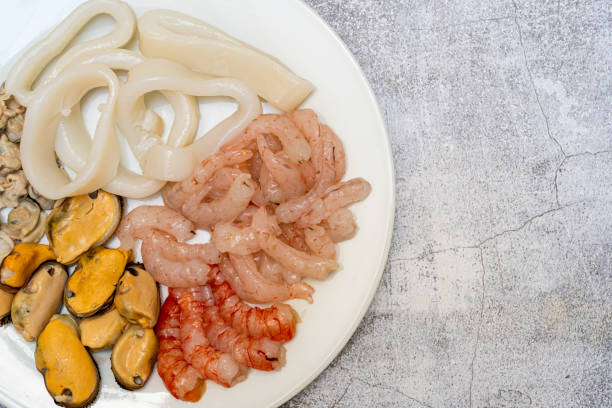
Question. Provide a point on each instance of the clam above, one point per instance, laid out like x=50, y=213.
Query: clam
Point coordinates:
x=22, y=220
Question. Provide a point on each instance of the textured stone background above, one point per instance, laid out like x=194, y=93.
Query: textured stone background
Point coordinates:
x=498, y=289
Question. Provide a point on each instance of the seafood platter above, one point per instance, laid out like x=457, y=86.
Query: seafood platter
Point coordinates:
x=156, y=251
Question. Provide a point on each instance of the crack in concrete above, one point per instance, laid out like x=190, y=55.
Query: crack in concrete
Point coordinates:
x=479, y=244
x=344, y=393
x=463, y=23
x=480, y=322
x=565, y=159
x=527, y=222
x=535, y=90
x=378, y=386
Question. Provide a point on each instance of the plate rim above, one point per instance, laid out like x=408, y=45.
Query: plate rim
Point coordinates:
x=367, y=302
x=391, y=207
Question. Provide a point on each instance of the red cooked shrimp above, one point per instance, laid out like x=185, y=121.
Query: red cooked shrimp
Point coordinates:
x=259, y=353
x=176, y=194
x=297, y=261
x=176, y=264
x=139, y=222
x=341, y=225
x=211, y=363
x=206, y=214
x=277, y=322
x=251, y=286
x=180, y=378
x=319, y=241
x=337, y=196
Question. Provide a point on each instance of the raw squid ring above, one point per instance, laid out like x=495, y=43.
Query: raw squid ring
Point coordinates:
x=23, y=74
x=73, y=144
x=163, y=162
x=197, y=45
x=40, y=127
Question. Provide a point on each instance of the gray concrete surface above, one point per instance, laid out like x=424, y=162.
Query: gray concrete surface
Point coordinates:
x=498, y=289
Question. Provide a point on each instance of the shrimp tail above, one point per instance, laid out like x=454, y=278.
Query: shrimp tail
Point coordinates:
x=261, y=354
x=277, y=322
x=180, y=378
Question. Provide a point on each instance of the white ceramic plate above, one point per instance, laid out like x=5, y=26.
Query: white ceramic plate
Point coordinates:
x=292, y=32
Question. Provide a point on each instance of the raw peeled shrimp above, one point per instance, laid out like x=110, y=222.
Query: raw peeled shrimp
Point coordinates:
x=259, y=353
x=293, y=141
x=173, y=250
x=297, y=261
x=176, y=194
x=270, y=188
x=141, y=220
x=269, y=268
x=340, y=225
x=183, y=268
x=221, y=181
x=306, y=120
x=339, y=154
x=277, y=322
x=323, y=162
x=283, y=171
x=319, y=241
x=227, y=237
x=294, y=236
x=241, y=273
x=338, y=196
x=180, y=378
x=206, y=215
x=211, y=363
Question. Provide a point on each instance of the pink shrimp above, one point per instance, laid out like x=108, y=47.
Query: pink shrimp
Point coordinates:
x=319, y=241
x=259, y=353
x=221, y=182
x=176, y=194
x=323, y=162
x=297, y=261
x=340, y=225
x=180, y=378
x=269, y=268
x=293, y=141
x=241, y=273
x=283, y=171
x=211, y=363
x=277, y=322
x=141, y=220
x=294, y=236
x=174, y=265
x=338, y=196
x=205, y=215
x=245, y=219
x=339, y=154
x=227, y=237
x=270, y=188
